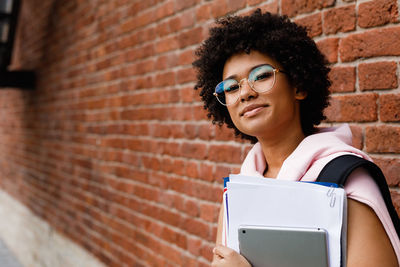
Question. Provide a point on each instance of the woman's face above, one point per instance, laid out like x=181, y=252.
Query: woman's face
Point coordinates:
x=262, y=114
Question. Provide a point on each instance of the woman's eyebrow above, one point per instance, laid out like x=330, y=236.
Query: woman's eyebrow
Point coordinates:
x=234, y=76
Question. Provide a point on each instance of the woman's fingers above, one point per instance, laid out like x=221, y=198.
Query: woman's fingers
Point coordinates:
x=227, y=257
x=223, y=251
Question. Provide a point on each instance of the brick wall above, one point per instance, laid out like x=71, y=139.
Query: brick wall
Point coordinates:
x=113, y=148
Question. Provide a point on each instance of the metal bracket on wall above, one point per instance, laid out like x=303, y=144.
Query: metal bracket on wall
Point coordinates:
x=17, y=79
x=9, y=10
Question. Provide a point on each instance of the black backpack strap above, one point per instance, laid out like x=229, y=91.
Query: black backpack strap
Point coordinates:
x=338, y=170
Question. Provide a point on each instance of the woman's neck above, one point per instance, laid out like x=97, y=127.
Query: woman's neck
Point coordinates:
x=277, y=149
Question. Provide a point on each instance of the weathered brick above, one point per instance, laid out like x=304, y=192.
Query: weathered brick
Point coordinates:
x=389, y=107
x=313, y=24
x=114, y=149
x=235, y=5
x=186, y=75
x=378, y=75
x=183, y=4
x=190, y=37
x=295, y=7
x=358, y=138
x=376, y=13
x=219, y=8
x=226, y=153
x=254, y=2
x=343, y=79
x=396, y=200
x=348, y=108
x=329, y=48
x=342, y=19
x=209, y=212
x=187, y=19
x=390, y=168
x=372, y=43
x=382, y=139
x=272, y=7
x=203, y=12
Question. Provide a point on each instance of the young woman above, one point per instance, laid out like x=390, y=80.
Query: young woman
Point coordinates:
x=264, y=77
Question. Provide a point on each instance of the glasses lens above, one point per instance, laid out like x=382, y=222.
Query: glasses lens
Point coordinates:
x=262, y=78
x=227, y=92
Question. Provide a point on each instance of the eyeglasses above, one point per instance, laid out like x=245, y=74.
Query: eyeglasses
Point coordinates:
x=261, y=79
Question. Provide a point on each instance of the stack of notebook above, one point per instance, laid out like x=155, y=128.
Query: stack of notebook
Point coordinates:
x=253, y=201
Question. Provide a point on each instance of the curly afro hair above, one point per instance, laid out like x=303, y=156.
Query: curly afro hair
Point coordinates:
x=277, y=37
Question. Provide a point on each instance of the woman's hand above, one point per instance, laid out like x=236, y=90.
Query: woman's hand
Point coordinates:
x=227, y=257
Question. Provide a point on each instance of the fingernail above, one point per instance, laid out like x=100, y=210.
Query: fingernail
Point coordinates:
x=214, y=250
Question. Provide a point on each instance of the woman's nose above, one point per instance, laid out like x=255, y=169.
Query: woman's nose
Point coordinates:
x=246, y=91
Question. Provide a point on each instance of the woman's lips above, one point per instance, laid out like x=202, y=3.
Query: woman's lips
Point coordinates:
x=252, y=110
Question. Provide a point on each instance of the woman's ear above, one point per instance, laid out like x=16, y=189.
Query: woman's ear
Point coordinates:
x=300, y=95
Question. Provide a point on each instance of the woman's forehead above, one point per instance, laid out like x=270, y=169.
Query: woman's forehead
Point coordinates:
x=240, y=64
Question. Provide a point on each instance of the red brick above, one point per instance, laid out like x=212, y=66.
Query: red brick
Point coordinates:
x=222, y=171
x=193, y=150
x=347, y=108
x=186, y=75
x=166, y=61
x=378, y=75
x=183, y=21
x=188, y=95
x=204, y=191
x=192, y=169
x=167, y=8
x=172, y=254
x=313, y=24
x=186, y=57
x=183, y=4
x=389, y=107
x=194, y=245
x=219, y=8
x=342, y=19
x=376, y=13
x=382, y=139
x=235, y=5
x=190, y=37
x=329, y=47
x=358, y=137
x=223, y=133
x=396, y=201
x=391, y=169
x=167, y=44
x=164, y=79
x=343, y=79
x=372, y=43
x=272, y=7
x=224, y=153
x=254, y=2
x=295, y=7
x=206, y=252
x=163, y=29
x=206, y=172
x=197, y=228
x=203, y=12
x=209, y=212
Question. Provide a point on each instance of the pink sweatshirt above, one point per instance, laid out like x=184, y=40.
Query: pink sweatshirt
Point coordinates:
x=308, y=159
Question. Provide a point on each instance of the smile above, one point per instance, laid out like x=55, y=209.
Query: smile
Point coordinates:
x=252, y=110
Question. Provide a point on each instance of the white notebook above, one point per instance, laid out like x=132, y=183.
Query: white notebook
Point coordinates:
x=271, y=202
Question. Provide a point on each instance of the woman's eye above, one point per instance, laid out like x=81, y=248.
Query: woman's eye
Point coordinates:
x=262, y=76
x=232, y=88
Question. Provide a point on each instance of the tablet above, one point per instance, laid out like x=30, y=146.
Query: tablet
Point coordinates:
x=265, y=246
